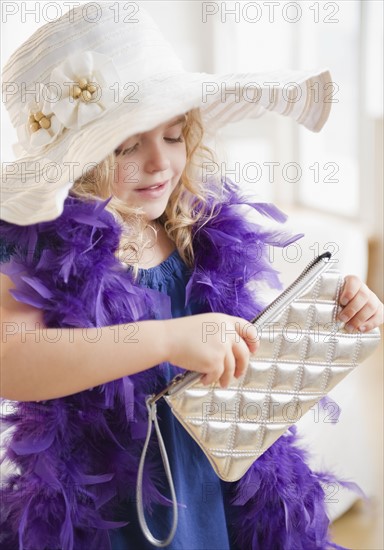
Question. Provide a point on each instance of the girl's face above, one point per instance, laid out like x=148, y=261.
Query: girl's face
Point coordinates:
x=149, y=167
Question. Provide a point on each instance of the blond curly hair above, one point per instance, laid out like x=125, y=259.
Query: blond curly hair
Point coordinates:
x=187, y=204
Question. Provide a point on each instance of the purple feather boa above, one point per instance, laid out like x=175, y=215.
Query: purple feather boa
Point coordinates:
x=77, y=455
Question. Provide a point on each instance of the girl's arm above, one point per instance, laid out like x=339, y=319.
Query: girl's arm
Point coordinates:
x=39, y=363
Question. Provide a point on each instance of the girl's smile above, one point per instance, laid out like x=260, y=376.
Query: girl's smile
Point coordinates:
x=153, y=191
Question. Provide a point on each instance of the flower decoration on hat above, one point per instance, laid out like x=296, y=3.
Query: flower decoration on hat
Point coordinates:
x=81, y=88
x=38, y=124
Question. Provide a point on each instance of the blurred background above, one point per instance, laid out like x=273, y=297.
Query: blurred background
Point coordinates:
x=330, y=184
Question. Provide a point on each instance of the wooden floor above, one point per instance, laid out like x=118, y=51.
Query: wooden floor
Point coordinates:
x=361, y=528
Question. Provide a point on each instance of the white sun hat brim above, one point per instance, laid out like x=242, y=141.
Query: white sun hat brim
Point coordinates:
x=34, y=187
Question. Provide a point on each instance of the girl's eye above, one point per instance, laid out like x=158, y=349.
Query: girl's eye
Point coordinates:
x=175, y=140
x=125, y=151
x=128, y=150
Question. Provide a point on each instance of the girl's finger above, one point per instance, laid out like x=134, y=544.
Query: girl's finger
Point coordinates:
x=352, y=285
x=242, y=357
x=248, y=333
x=374, y=321
x=211, y=377
x=365, y=313
x=354, y=306
x=205, y=379
x=229, y=369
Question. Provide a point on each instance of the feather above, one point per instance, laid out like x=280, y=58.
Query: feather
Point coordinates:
x=279, y=503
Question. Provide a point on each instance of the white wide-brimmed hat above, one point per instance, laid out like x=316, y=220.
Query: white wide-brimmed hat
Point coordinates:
x=84, y=83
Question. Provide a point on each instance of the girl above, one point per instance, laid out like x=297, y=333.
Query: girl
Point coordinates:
x=107, y=288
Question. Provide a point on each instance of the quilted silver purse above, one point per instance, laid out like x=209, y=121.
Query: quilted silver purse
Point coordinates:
x=304, y=352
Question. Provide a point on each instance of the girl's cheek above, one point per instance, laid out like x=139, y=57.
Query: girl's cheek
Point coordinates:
x=127, y=173
x=120, y=177
x=120, y=182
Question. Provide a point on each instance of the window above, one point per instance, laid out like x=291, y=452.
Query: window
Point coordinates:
x=337, y=164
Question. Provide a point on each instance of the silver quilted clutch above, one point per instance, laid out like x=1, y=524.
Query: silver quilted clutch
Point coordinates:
x=304, y=352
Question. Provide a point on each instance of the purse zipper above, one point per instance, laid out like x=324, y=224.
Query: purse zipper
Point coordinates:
x=313, y=269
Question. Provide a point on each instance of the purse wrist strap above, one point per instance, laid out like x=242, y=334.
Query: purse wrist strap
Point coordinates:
x=152, y=417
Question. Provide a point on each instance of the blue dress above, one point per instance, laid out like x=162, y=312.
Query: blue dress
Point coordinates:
x=202, y=522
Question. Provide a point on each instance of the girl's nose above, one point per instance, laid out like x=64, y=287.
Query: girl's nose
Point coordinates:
x=157, y=159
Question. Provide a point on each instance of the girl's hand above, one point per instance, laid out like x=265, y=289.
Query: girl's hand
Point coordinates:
x=215, y=344
x=362, y=309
